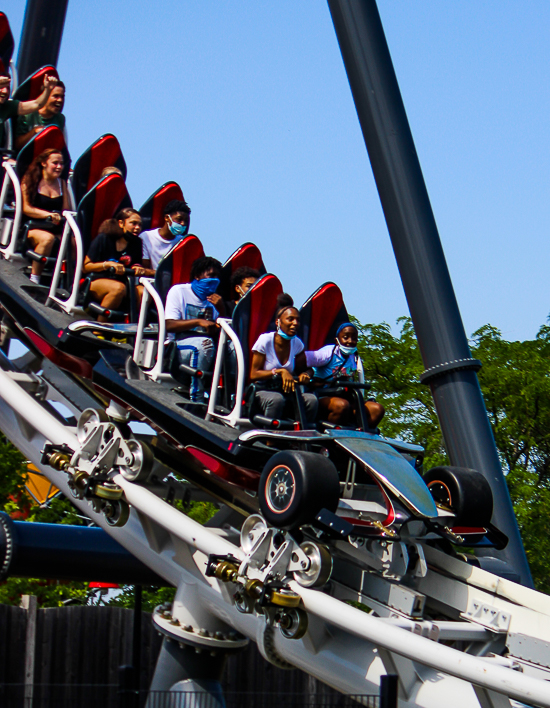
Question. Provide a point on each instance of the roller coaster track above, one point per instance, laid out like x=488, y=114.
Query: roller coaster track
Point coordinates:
x=454, y=634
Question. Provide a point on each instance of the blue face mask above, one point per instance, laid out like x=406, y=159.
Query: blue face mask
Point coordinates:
x=205, y=287
x=177, y=229
x=284, y=335
x=346, y=351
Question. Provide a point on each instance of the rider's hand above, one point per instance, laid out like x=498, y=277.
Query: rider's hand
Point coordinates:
x=288, y=381
x=215, y=299
x=304, y=378
x=119, y=268
x=38, y=129
x=4, y=81
x=50, y=82
x=55, y=217
x=209, y=326
x=138, y=270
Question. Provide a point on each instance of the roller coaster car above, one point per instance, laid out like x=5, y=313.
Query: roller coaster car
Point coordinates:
x=332, y=483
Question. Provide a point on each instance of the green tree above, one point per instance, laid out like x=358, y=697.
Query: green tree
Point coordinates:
x=515, y=383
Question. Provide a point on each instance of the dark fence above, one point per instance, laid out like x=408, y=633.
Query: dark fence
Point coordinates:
x=78, y=651
x=110, y=696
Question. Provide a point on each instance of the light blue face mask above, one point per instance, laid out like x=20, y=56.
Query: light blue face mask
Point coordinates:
x=177, y=229
x=284, y=335
x=347, y=350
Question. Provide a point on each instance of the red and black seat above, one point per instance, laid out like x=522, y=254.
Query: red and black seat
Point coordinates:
x=104, y=152
x=175, y=267
x=246, y=255
x=152, y=211
x=50, y=137
x=32, y=87
x=106, y=198
x=321, y=315
x=254, y=314
x=6, y=43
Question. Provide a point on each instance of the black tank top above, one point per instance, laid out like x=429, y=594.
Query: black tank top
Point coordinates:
x=41, y=201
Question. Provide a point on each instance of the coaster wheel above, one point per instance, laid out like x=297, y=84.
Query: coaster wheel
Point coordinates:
x=463, y=491
x=295, y=486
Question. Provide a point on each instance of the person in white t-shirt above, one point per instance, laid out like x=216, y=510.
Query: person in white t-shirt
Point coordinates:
x=191, y=313
x=281, y=354
x=158, y=242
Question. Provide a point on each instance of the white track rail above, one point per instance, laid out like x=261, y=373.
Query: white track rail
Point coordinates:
x=344, y=646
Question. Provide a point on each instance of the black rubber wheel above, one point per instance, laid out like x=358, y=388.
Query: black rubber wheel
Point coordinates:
x=295, y=486
x=466, y=492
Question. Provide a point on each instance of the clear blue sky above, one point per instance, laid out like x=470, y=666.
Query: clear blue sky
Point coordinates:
x=247, y=106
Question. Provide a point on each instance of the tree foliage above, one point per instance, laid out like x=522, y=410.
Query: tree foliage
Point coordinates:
x=515, y=383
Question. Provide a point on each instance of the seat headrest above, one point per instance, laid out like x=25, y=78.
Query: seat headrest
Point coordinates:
x=321, y=315
x=6, y=42
x=31, y=88
x=254, y=314
x=103, y=201
x=104, y=152
x=175, y=267
x=50, y=137
x=246, y=255
x=152, y=211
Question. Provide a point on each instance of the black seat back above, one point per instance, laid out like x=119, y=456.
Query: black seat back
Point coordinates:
x=175, y=267
x=104, y=152
x=246, y=255
x=321, y=315
x=50, y=137
x=254, y=314
x=152, y=211
x=103, y=201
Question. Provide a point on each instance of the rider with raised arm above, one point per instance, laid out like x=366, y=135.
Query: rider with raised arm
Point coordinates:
x=31, y=124
x=10, y=107
x=157, y=242
x=329, y=365
x=191, y=313
x=277, y=357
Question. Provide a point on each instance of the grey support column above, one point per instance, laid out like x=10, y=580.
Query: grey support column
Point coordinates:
x=41, y=35
x=450, y=369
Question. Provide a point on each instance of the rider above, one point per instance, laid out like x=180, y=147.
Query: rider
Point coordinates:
x=116, y=247
x=50, y=114
x=11, y=107
x=157, y=242
x=191, y=313
x=45, y=197
x=334, y=362
x=276, y=358
x=241, y=282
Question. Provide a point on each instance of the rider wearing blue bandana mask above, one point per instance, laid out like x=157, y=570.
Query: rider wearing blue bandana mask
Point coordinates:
x=191, y=312
x=335, y=362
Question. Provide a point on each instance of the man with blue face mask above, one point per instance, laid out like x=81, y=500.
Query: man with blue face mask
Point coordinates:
x=191, y=313
x=157, y=242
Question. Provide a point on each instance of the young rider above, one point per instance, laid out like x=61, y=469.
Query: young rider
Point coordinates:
x=45, y=197
x=157, y=242
x=339, y=361
x=241, y=282
x=50, y=114
x=117, y=246
x=191, y=313
x=10, y=107
x=280, y=356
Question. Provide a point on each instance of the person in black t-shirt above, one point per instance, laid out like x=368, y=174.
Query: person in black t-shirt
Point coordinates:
x=117, y=246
